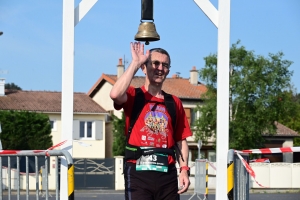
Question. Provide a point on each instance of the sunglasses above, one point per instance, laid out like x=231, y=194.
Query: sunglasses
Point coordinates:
x=156, y=64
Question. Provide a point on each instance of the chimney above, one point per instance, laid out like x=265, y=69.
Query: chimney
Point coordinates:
x=194, y=76
x=174, y=76
x=2, y=87
x=120, y=68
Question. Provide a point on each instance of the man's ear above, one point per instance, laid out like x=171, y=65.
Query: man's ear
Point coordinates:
x=143, y=67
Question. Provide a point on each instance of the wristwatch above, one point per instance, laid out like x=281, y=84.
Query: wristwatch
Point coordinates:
x=185, y=168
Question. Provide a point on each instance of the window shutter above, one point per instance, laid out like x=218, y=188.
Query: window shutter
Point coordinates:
x=76, y=130
x=99, y=130
x=188, y=114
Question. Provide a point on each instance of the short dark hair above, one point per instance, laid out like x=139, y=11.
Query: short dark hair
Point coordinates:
x=162, y=51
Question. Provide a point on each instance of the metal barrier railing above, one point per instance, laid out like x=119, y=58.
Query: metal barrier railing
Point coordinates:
x=10, y=154
x=238, y=177
x=201, y=179
x=241, y=178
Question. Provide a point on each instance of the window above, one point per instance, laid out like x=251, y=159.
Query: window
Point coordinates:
x=212, y=155
x=191, y=115
x=86, y=129
x=194, y=152
x=194, y=115
x=53, y=125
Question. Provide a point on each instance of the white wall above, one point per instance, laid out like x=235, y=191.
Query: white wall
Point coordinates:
x=90, y=148
x=103, y=99
x=276, y=175
x=85, y=148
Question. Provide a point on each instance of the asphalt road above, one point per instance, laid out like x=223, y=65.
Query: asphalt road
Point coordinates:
x=94, y=195
x=273, y=196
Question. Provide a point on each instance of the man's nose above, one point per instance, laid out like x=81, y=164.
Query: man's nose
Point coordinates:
x=160, y=66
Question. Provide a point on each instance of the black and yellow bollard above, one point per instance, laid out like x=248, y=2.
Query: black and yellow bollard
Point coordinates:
x=206, y=186
x=71, y=181
x=230, y=174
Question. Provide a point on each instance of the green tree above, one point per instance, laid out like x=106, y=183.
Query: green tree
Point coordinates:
x=119, y=137
x=257, y=85
x=25, y=130
x=12, y=86
x=291, y=106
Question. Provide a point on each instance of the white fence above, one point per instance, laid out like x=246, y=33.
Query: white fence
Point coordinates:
x=32, y=180
x=271, y=175
x=276, y=175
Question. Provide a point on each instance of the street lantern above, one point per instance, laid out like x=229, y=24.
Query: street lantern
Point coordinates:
x=147, y=31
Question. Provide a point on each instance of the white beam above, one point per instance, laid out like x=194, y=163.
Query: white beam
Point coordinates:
x=209, y=10
x=82, y=9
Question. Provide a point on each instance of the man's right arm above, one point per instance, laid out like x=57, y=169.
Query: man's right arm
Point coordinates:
x=118, y=92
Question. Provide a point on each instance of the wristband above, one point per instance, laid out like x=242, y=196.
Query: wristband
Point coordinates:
x=185, y=168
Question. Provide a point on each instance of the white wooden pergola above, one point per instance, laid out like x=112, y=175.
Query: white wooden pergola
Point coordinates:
x=220, y=18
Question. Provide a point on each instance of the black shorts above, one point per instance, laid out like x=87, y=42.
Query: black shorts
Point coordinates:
x=150, y=185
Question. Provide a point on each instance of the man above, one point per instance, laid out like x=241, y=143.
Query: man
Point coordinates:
x=152, y=176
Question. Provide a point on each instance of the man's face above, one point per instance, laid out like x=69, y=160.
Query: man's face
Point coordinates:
x=157, y=67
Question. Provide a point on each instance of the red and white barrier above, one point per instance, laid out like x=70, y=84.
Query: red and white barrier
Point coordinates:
x=263, y=151
x=249, y=169
x=7, y=152
x=212, y=165
x=272, y=150
x=10, y=152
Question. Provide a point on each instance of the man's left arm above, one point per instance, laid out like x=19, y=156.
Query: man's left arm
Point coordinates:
x=184, y=181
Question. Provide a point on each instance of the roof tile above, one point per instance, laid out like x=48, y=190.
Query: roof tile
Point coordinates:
x=46, y=101
x=180, y=87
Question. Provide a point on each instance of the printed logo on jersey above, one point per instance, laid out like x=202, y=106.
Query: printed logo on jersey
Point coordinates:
x=156, y=122
x=151, y=138
x=144, y=137
x=156, y=126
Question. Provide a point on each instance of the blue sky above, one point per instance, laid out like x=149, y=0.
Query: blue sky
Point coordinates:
x=31, y=46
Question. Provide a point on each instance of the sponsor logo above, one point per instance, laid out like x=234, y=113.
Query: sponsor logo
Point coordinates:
x=144, y=137
x=151, y=138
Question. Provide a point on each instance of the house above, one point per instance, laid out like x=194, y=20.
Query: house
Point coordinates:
x=88, y=119
x=282, y=138
x=190, y=91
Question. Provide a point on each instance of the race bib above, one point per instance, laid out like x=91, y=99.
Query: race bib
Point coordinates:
x=153, y=162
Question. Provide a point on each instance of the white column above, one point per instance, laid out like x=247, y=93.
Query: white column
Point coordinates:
x=221, y=19
x=71, y=17
x=223, y=98
x=67, y=90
